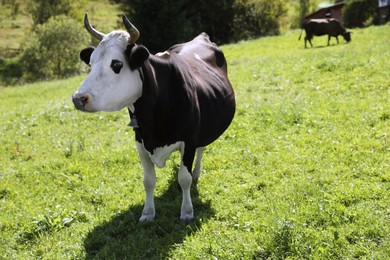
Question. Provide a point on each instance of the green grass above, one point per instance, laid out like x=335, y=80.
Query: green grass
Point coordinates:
x=15, y=26
x=303, y=171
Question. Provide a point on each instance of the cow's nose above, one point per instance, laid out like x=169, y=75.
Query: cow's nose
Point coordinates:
x=79, y=101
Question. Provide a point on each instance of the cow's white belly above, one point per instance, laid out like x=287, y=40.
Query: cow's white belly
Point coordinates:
x=161, y=154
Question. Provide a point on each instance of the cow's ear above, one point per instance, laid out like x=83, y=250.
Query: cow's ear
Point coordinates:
x=85, y=55
x=137, y=55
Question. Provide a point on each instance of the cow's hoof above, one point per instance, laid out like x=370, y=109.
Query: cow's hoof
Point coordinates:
x=195, y=180
x=196, y=174
x=144, y=218
x=187, y=218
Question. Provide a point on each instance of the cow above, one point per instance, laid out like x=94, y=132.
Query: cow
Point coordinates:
x=178, y=100
x=319, y=27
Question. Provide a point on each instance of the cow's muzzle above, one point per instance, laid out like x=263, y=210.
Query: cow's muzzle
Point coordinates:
x=79, y=101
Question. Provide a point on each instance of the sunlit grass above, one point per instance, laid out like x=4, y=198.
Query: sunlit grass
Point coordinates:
x=302, y=172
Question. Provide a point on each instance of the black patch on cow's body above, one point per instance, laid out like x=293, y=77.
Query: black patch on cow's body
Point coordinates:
x=186, y=97
x=85, y=54
x=116, y=66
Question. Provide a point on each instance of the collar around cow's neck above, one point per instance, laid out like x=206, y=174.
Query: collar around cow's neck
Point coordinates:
x=133, y=120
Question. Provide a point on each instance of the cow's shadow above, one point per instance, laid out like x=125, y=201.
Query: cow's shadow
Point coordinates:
x=322, y=46
x=123, y=237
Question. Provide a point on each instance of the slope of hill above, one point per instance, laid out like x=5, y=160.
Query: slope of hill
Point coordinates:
x=15, y=25
x=302, y=172
x=16, y=21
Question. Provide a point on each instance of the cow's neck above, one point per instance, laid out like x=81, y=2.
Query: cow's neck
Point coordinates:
x=142, y=118
x=160, y=111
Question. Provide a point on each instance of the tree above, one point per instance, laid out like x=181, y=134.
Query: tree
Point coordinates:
x=304, y=7
x=43, y=10
x=166, y=22
x=357, y=13
x=161, y=22
x=14, y=6
x=213, y=17
x=253, y=18
x=52, y=49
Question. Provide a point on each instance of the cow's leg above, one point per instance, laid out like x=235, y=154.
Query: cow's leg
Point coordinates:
x=149, y=211
x=337, y=39
x=305, y=41
x=308, y=38
x=328, y=39
x=185, y=180
x=197, y=168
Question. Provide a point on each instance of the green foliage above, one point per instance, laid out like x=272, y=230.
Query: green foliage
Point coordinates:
x=42, y=10
x=13, y=5
x=224, y=20
x=14, y=38
x=51, y=50
x=357, y=13
x=304, y=8
x=253, y=18
x=213, y=17
x=11, y=70
x=301, y=173
x=161, y=23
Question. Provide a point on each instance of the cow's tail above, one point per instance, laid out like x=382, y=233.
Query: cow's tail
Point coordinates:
x=300, y=35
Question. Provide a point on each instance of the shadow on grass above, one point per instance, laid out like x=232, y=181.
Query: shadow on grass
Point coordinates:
x=323, y=46
x=123, y=237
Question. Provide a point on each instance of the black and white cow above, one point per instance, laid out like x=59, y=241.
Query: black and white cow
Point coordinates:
x=178, y=100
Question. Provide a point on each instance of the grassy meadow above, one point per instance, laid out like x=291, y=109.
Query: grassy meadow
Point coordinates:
x=302, y=172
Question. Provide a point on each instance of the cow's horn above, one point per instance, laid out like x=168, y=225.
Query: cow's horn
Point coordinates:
x=134, y=33
x=95, y=33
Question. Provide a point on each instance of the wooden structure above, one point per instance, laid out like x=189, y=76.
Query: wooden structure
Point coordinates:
x=335, y=11
x=383, y=11
x=331, y=11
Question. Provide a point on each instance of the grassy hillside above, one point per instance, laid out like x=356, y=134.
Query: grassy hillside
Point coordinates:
x=14, y=26
x=303, y=171
x=16, y=20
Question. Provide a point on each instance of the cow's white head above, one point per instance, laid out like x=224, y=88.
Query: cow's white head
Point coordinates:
x=114, y=81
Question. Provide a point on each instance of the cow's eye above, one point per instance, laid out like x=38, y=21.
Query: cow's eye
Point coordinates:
x=116, y=66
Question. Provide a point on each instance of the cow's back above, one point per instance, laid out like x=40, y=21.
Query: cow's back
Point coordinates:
x=335, y=28
x=319, y=27
x=316, y=27
x=201, y=47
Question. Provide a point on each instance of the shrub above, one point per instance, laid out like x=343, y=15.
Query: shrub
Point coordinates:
x=42, y=10
x=223, y=20
x=254, y=18
x=51, y=51
x=213, y=17
x=10, y=71
x=357, y=13
x=161, y=22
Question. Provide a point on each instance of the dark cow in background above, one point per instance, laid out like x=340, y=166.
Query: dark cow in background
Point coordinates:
x=178, y=100
x=319, y=27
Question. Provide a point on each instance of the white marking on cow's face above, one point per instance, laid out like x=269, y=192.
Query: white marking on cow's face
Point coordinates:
x=110, y=88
